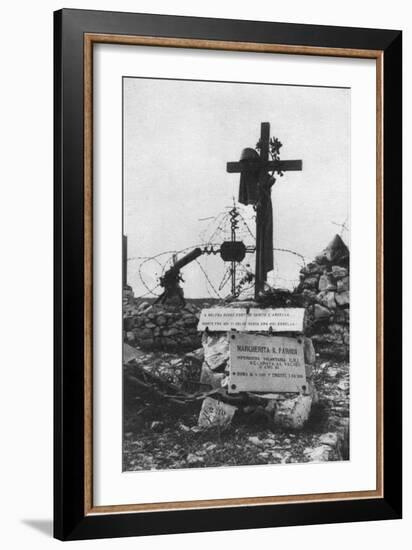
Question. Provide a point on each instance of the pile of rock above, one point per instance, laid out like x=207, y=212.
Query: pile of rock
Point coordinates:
x=286, y=410
x=162, y=327
x=324, y=287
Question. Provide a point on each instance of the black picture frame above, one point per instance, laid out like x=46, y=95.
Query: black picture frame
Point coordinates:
x=71, y=522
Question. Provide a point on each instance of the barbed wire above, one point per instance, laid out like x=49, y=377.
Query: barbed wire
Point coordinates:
x=225, y=278
x=170, y=254
x=151, y=290
x=211, y=245
x=208, y=281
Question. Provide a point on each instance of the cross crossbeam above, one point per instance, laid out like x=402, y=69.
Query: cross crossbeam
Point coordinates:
x=270, y=166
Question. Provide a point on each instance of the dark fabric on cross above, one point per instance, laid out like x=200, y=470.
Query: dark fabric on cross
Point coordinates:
x=264, y=212
x=255, y=188
x=248, y=188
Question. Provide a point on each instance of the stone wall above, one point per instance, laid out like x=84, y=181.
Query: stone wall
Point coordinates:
x=161, y=327
x=324, y=288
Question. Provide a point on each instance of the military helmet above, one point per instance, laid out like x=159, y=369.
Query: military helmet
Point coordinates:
x=249, y=154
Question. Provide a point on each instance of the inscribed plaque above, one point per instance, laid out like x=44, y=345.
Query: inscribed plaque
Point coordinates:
x=254, y=319
x=266, y=363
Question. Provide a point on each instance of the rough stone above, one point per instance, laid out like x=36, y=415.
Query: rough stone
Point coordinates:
x=335, y=350
x=144, y=334
x=215, y=413
x=308, y=371
x=216, y=350
x=156, y=426
x=336, y=252
x=343, y=284
x=294, y=412
x=327, y=299
x=311, y=269
x=310, y=283
x=346, y=336
x=342, y=298
x=339, y=316
x=170, y=332
x=183, y=428
x=321, y=312
x=130, y=337
x=128, y=323
x=210, y=378
x=309, y=351
x=339, y=272
x=169, y=343
x=197, y=356
x=193, y=322
x=161, y=320
x=327, y=338
x=326, y=283
x=188, y=342
x=313, y=392
x=256, y=441
x=336, y=328
x=308, y=297
x=330, y=300
x=189, y=317
x=128, y=295
x=330, y=438
x=146, y=343
x=194, y=459
x=318, y=454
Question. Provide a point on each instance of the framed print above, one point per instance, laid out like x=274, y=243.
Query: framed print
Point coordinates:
x=227, y=274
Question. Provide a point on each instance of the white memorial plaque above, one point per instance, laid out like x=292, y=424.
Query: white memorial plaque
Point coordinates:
x=279, y=319
x=222, y=319
x=254, y=319
x=263, y=363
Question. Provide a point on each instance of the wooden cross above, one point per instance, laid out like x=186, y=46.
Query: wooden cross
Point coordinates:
x=261, y=165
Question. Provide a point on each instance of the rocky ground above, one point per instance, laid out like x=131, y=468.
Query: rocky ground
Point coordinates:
x=161, y=435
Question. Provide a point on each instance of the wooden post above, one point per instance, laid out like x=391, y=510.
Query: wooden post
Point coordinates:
x=124, y=262
x=260, y=277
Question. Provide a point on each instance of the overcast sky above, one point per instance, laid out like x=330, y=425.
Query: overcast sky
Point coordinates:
x=178, y=136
